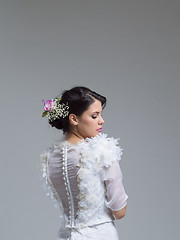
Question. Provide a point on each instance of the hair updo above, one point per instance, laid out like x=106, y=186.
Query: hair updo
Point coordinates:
x=78, y=99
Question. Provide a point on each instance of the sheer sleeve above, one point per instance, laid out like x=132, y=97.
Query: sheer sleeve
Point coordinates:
x=116, y=197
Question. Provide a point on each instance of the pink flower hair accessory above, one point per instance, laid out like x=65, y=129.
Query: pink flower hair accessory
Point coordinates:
x=54, y=109
x=49, y=104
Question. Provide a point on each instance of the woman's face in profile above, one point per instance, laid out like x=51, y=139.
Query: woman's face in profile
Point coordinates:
x=90, y=121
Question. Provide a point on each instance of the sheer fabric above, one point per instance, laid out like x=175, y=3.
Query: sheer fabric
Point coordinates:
x=85, y=181
x=116, y=197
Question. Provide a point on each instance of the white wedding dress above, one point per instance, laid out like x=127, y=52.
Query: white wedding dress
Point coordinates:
x=85, y=182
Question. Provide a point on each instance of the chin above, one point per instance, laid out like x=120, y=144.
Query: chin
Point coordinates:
x=93, y=135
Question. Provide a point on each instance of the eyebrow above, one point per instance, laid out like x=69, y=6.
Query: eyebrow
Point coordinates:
x=96, y=112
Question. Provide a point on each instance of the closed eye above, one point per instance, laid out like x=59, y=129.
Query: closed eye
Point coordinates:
x=94, y=116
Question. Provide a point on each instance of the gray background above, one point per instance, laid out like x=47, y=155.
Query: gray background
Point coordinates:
x=128, y=51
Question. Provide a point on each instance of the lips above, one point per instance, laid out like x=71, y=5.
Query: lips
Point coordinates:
x=100, y=129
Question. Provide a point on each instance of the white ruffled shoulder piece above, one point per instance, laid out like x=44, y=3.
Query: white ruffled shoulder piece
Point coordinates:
x=107, y=148
x=96, y=152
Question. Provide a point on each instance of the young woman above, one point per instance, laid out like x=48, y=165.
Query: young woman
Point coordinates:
x=82, y=173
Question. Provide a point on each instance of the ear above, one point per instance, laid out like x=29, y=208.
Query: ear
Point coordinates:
x=73, y=119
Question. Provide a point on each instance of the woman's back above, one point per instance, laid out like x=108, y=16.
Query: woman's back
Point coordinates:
x=86, y=181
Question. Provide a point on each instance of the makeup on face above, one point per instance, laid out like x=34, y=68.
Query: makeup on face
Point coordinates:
x=90, y=123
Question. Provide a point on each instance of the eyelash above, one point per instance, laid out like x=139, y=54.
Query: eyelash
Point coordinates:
x=95, y=116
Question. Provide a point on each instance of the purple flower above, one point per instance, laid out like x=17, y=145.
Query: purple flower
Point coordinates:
x=49, y=104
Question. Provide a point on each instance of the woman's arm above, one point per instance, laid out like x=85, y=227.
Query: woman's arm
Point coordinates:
x=120, y=213
x=116, y=197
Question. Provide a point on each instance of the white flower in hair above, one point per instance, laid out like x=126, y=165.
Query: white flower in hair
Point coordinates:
x=54, y=109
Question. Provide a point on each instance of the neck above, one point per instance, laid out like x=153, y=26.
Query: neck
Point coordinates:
x=73, y=137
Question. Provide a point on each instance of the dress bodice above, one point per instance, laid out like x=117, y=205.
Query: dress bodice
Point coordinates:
x=85, y=180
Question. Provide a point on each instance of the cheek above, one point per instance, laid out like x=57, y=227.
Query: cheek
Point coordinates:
x=90, y=122
x=93, y=122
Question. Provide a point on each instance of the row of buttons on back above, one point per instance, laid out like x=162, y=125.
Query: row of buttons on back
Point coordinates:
x=66, y=182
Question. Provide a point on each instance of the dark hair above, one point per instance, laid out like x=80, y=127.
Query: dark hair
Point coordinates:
x=79, y=99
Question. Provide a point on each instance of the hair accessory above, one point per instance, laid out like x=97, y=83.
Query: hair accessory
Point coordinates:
x=54, y=109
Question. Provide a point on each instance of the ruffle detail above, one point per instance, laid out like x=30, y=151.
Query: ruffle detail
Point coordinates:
x=107, y=148
x=91, y=196
x=96, y=152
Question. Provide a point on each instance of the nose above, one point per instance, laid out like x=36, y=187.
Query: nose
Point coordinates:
x=101, y=120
